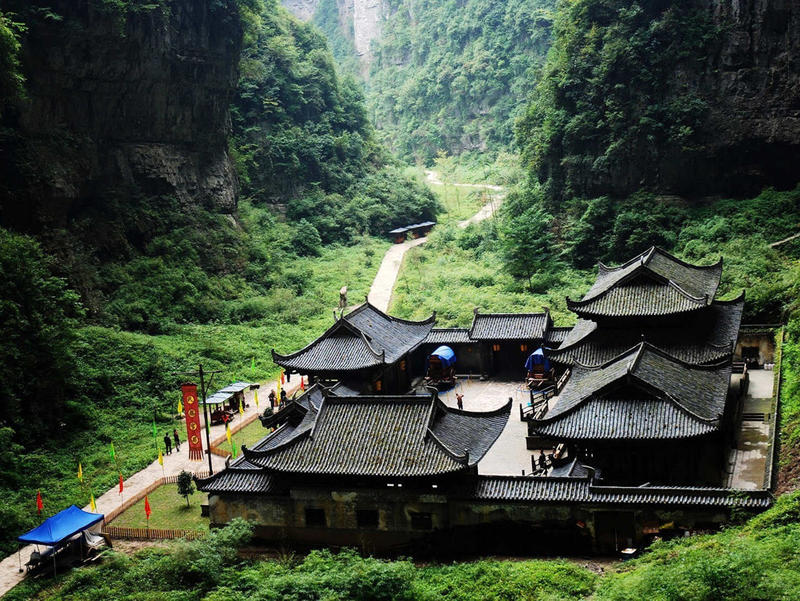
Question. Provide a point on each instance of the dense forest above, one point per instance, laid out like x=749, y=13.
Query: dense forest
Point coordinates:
x=450, y=76
x=167, y=201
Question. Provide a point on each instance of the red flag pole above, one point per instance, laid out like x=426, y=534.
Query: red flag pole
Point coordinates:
x=39, y=504
x=147, y=514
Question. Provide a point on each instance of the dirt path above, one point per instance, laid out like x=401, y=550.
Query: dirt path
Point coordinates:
x=173, y=465
x=380, y=293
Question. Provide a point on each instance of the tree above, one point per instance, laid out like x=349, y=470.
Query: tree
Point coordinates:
x=11, y=78
x=526, y=242
x=185, y=485
x=38, y=322
x=306, y=240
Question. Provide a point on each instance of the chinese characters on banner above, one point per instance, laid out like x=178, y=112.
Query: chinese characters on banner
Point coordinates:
x=191, y=409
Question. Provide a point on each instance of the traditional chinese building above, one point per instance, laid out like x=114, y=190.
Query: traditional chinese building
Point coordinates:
x=647, y=398
x=642, y=414
x=366, y=347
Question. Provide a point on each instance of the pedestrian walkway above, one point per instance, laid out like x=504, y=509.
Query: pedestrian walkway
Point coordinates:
x=754, y=443
x=380, y=293
x=174, y=464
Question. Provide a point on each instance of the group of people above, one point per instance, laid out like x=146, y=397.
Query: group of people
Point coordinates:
x=168, y=442
x=273, y=397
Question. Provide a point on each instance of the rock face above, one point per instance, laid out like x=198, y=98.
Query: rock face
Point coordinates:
x=302, y=9
x=750, y=82
x=135, y=101
x=754, y=87
x=364, y=17
x=366, y=25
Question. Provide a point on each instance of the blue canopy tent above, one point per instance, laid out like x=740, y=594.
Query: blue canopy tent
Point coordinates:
x=446, y=355
x=537, y=357
x=54, y=531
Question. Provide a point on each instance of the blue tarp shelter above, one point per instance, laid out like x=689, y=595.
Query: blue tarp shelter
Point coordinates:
x=446, y=355
x=61, y=526
x=537, y=357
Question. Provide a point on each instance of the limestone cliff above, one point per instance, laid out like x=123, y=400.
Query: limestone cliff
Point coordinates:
x=362, y=17
x=134, y=100
x=753, y=84
x=691, y=97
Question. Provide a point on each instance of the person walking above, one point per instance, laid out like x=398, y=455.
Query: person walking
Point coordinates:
x=271, y=399
x=177, y=440
x=167, y=444
x=460, y=400
x=283, y=397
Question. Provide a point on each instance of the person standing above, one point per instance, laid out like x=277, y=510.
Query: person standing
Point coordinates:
x=272, y=399
x=283, y=397
x=177, y=440
x=167, y=444
x=460, y=400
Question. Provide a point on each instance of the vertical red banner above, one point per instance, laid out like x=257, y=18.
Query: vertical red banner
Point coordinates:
x=191, y=410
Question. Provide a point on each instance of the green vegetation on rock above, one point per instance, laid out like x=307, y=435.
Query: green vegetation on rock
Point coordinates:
x=451, y=76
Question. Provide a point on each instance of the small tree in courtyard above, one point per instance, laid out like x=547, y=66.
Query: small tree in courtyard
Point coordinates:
x=185, y=485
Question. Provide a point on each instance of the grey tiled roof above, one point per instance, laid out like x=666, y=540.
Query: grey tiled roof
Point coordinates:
x=709, y=337
x=448, y=336
x=653, y=283
x=364, y=338
x=610, y=419
x=577, y=490
x=557, y=335
x=386, y=436
x=240, y=477
x=690, y=400
x=509, y=326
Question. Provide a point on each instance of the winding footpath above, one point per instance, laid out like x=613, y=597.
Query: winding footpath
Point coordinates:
x=380, y=293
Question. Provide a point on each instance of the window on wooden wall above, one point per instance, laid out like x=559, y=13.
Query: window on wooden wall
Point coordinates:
x=421, y=521
x=367, y=518
x=315, y=517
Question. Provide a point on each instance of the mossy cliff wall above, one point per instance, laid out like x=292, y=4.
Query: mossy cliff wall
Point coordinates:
x=130, y=101
x=690, y=97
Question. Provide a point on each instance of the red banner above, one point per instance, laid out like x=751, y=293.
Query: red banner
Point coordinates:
x=191, y=409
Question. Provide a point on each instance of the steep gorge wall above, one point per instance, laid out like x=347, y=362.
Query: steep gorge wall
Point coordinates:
x=135, y=101
x=363, y=17
x=753, y=86
x=691, y=97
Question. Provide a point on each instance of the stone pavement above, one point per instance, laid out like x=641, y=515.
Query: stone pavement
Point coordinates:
x=508, y=455
x=380, y=293
x=173, y=465
x=753, y=444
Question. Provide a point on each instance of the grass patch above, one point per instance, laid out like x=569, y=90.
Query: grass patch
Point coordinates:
x=126, y=379
x=249, y=435
x=458, y=270
x=168, y=510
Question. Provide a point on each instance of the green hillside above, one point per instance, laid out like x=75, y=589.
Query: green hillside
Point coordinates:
x=451, y=76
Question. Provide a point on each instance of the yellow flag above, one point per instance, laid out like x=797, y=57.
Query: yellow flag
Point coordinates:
x=278, y=397
x=241, y=411
x=80, y=472
x=256, y=399
x=180, y=406
x=92, y=506
x=160, y=457
x=228, y=433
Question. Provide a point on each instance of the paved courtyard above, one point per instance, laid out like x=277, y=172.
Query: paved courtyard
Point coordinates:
x=508, y=455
